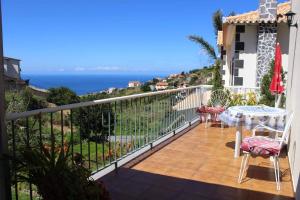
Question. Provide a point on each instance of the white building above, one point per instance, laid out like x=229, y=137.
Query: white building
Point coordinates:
x=12, y=74
x=248, y=40
x=110, y=90
x=293, y=96
x=132, y=84
x=12, y=67
x=161, y=85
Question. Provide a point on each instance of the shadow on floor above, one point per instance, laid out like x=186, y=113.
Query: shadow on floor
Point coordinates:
x=132, y=184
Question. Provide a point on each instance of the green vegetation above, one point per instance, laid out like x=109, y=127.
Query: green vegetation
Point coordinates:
x=266, y=97
x=56, y=176
x=96, y=121
x=244, y=99
x=217, y=78
x=62, y=96
x=24, y=100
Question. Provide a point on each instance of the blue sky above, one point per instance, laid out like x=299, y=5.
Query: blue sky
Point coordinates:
x=110, y=36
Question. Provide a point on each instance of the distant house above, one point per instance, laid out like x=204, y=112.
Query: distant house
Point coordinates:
x=161, y=85
x=152, y=87
x=110, y=90
x=133, y=84
x=12, y=74
x=172, y=76
x=247, y=43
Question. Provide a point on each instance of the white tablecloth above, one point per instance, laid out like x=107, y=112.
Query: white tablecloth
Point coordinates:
x=251, y=116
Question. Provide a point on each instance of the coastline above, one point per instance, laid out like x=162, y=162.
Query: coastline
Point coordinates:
x=85, y=84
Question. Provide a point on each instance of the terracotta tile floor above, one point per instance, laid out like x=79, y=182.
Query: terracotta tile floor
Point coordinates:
x=198, y=165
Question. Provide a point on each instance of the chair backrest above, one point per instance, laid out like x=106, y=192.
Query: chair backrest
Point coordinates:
x=219, y=98
x=278, y=101
x=286, y=131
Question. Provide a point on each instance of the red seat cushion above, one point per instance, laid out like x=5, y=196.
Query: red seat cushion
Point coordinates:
x=211, y=110
x=259, y=145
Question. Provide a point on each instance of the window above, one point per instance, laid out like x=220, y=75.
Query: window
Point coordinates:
x=239, y=46
x=239, y=63
x=238, y=81
x=236, y=72
x=236, y=55
x=237, y=37
x=240, y=28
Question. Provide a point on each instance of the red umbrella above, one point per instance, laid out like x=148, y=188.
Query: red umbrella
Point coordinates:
x=276, y=86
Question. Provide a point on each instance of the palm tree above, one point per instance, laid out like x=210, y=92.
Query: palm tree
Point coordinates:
x=210, y=50
x=217, y=21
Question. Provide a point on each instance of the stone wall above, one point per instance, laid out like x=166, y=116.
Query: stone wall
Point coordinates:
x=267, y=10
x=267, y=35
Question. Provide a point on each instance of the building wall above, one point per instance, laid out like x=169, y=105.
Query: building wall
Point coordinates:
x=283, y=38
x=248, y=72
x=293, y=96
x=225, y=73
x=12, y=68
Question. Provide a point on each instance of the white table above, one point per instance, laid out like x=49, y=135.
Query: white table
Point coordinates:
x=250, y=117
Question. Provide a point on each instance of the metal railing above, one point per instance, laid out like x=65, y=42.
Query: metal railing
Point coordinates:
x=104, y=132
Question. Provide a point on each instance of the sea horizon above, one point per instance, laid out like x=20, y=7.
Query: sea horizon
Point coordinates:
x=83, y=84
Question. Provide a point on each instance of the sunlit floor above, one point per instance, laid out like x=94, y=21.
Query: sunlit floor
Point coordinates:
x=198, y=165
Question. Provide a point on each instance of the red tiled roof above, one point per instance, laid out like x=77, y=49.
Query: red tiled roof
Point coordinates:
x=253, y=16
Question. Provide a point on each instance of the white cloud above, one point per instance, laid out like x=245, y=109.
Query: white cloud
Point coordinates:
x=80, y=69
x=106, y=68
x=102, y=68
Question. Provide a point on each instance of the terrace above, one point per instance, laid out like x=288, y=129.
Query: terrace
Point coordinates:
x=197, y=164
x=147, y=146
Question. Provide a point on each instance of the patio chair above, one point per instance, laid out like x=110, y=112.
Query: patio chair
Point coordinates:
x=218, y=102
x=266, y=147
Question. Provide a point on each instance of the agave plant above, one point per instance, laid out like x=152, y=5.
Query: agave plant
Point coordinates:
x=56, y=177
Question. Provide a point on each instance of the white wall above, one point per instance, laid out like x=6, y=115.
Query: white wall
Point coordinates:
x=293, y=98
x=12, y=68
x=283, y=32
x=249, y=56
x=226, y=76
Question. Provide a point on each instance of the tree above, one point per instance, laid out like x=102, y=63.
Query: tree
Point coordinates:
x=146, y=87
x=94, y=122
x=62, y=96
x=217, y=21
x=266, y=97
x=217, y=77
x=210, y=50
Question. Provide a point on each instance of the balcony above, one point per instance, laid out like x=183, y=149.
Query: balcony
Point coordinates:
x=198, y=164
x=146, y=146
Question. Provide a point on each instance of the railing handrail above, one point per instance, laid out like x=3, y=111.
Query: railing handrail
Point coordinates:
x=15, y=116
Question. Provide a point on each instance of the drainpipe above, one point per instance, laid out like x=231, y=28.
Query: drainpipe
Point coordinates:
x=5, y=193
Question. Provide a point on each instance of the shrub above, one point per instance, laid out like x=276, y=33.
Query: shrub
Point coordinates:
x=56, y=177
x=237, y=100
x=62, y=96
x=24, y=100
x=146, y=87
x=251, y=99
x=217, y=77
x=266, y=97
x=94, y=120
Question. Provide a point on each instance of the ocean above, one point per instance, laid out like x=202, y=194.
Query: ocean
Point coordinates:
x=83, y=84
